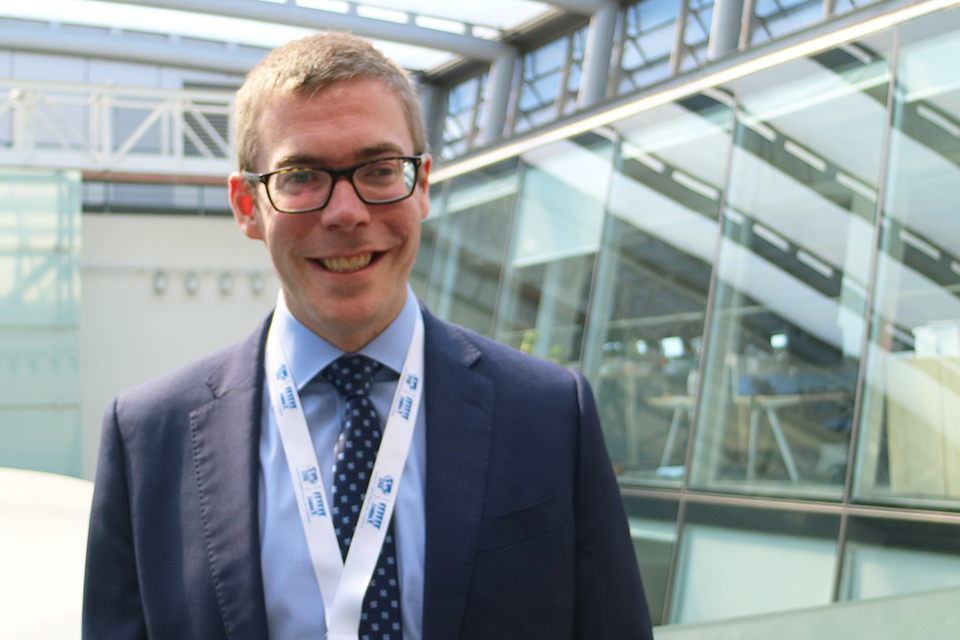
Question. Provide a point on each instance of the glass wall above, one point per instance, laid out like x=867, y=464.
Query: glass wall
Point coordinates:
x=646, y=330
x=792, y=273
x=910, y=447
x=39, y=321
x=760, y=280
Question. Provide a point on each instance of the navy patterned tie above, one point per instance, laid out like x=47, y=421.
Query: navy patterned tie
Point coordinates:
x=355, y=454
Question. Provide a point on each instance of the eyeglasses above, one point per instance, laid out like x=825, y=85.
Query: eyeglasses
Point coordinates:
x=303, y=189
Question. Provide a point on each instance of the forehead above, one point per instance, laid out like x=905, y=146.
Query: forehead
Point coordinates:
x=340, y=124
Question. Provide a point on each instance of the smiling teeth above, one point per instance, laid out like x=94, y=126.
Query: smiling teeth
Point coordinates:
x=344, y=265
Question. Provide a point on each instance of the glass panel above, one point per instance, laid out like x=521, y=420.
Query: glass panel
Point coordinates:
x=41, y=438
x=39, y=316
x=550, y=81
x=696, y=34
x=646, y=322
x=653, y=528
x=557, y=232
x=888, y=557
x=40, y=365
x=775, y=18
x=471, y=241
x=647, y=39
x=787, y=329
x=875, y=572
x=910, y=448
x=774, y=561
x=926, y=615
x=464, y=105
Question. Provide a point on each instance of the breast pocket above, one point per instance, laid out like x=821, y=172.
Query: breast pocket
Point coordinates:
x=525, y=524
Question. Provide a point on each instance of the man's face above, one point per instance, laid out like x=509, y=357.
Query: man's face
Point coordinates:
x=343, y=268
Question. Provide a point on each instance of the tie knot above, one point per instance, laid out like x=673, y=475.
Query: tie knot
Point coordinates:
x=351, y=374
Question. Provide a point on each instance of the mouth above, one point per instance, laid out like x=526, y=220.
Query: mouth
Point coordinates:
x=347, y=265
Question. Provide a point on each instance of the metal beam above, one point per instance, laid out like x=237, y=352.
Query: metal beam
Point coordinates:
x=117, y=47
x=596, y=62
x=291, y=14
x=583, y=7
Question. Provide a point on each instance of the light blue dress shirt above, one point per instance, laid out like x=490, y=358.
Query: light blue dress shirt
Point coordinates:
x=294, y=605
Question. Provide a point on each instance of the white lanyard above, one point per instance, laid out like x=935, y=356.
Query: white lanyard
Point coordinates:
x=343, y=585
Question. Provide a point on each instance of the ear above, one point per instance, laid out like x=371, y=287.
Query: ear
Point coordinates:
x=244, y=206
x=425, y=185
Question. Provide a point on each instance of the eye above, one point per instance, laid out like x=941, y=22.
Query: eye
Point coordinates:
x=296, y=180
x=384, y=171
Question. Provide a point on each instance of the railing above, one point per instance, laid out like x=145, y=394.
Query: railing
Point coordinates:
x=115, y=129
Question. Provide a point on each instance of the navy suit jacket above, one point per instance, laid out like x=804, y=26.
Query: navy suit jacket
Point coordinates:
x=526, y=535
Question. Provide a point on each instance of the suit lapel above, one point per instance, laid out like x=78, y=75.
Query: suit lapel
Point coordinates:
x=225, y=437
x=459, y=405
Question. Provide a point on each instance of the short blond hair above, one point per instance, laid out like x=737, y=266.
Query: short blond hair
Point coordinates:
x=304, y=67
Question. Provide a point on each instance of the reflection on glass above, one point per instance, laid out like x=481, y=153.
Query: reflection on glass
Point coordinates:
x=646, y=328
x=787, y=326
x=556, y=234
x=471, y=238
x=910, y=442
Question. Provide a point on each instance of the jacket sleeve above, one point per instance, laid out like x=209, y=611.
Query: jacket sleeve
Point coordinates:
x=610, y=604
x=112, y=607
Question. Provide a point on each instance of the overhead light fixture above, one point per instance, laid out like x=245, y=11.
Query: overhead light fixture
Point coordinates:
x=672, y=347
x=226, y=284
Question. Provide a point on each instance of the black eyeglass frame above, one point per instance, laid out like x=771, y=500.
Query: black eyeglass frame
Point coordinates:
x=335, y=175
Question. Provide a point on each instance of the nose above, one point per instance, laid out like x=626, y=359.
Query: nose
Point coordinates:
x=345, y=210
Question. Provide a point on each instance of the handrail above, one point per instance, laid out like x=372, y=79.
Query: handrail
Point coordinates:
x=115, y=129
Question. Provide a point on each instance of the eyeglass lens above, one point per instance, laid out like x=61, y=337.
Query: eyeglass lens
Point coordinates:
x=379, y=181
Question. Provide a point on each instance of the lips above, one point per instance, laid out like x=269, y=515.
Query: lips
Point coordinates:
x=347, y=265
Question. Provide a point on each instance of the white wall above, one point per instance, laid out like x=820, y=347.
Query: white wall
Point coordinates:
x=128, y=332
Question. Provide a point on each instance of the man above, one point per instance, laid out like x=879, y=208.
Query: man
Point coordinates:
x=210, y=519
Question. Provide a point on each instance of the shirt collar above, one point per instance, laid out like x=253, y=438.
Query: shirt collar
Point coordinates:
x=308, y=354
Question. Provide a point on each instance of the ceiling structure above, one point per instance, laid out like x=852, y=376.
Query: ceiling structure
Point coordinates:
x=420, y=34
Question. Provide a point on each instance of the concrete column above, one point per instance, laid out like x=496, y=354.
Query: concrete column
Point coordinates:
x=596, y=61
x=725, y=28
x=496, y=99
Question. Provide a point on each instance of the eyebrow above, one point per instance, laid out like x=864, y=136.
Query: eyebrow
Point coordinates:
x=307, y=160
